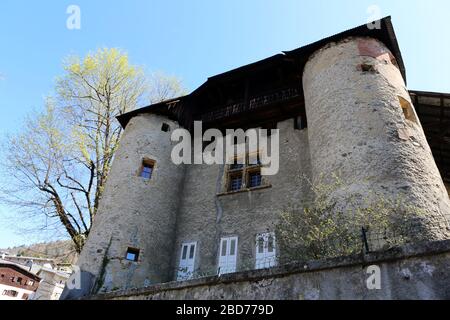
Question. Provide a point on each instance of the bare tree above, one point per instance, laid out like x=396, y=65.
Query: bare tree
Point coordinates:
x=57, y=166
x=163, y=87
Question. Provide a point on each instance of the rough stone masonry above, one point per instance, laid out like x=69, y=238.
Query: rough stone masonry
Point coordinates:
x=341, y=105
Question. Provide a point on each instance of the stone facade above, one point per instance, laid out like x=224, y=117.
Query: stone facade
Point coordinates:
x=407, y=273
x=354, y=98
x=361, y=123
x=137, y=213
x=203, y=213
x=208, y=213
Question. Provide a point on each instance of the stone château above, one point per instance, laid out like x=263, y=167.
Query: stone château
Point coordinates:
x=341, y=104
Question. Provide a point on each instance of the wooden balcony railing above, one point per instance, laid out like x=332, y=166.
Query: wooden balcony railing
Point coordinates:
x=252, y=103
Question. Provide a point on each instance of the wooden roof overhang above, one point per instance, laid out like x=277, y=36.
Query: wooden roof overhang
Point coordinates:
x=260, y=93
x=270, y=90
x=433, y=110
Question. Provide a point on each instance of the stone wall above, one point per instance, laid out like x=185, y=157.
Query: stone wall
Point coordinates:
x=135, y=212
x=183, y=204
x=410, y=272
x=208, y=213
x=362, y=125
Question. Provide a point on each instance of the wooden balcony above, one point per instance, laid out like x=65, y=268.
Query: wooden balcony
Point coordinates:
x=252, y=104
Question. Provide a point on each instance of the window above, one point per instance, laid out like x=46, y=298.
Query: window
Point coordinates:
x=25, y=296
x=228, y=255
x=407, y=108
x=10, y=293
x=265, y=251
x=235, y=182
x=165, y=127
x=187, y=261
x=132, y=254
x=19, y=280
x=365, y=67
x=31, y=283
x=300, y=123
x=147, y=169
x=254, y=178
x=241, y=175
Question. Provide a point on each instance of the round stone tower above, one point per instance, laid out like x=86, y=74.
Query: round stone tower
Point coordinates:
x=362, y=127
x=131, y=241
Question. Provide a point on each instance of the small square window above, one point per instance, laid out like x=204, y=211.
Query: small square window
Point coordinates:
x=300, y=123
x=132, y=254
x=165, y=127
x=254, y=179
x=147, y=169
x=235, y=182
x=147, y=172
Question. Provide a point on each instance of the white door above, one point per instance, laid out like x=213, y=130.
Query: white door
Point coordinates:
x=187, y=261
x=228, y=255
x=265, y=251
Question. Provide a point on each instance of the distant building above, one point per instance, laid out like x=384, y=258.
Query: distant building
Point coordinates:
x=33, y=263
x=36, y=264
x=16, y=282
x=52, y=284
x=53, y=276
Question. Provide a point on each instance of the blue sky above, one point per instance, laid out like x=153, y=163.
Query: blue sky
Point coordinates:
x=193, y=40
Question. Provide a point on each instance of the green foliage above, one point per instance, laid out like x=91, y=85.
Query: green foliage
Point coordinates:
x=58, y=165
x=324, y=229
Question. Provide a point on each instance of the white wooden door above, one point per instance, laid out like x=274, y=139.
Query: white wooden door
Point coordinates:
x=187, y=261
x=228, y=255
x=265, y=251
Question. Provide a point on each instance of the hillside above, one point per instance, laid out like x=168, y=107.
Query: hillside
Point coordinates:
x=62, y=251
